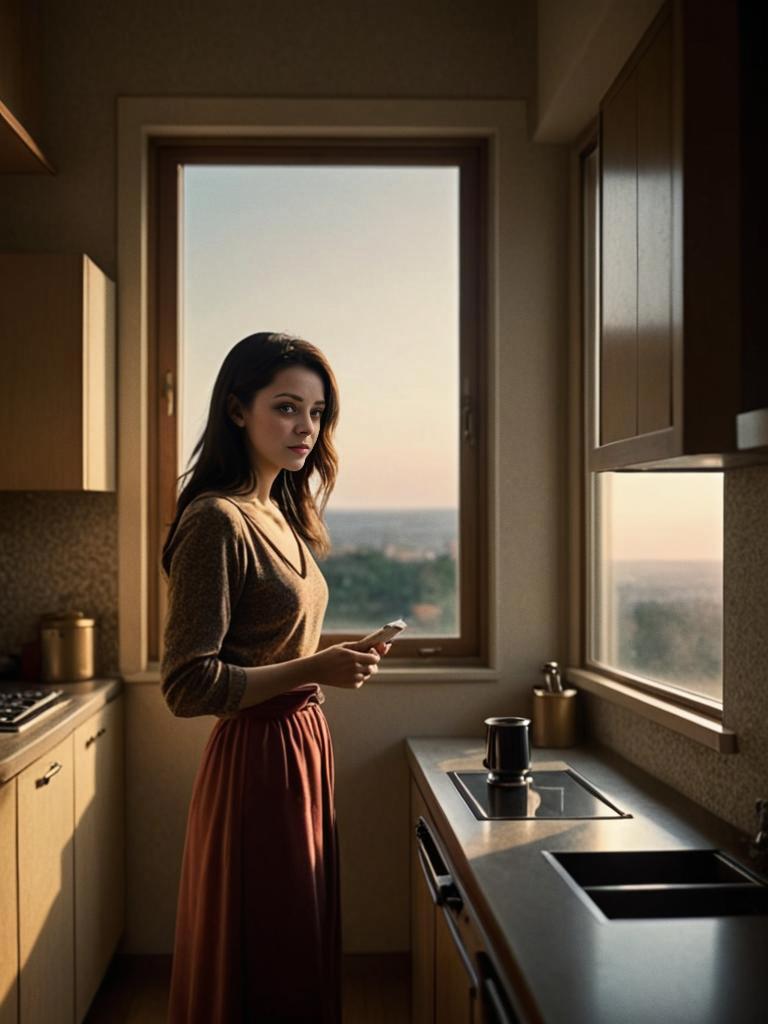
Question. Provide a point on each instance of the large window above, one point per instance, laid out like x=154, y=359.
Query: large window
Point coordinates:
x=375, y=253
x=654, y=544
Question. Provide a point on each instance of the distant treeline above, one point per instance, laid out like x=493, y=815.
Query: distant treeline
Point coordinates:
x=677, y=641
x=368, y=588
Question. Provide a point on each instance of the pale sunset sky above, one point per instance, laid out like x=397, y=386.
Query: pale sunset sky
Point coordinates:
x=364, y=262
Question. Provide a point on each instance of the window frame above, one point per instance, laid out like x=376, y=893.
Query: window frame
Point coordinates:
x=471, y=156
x=664, y=701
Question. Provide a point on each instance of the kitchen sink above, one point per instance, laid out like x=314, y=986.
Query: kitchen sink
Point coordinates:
x=662, y=883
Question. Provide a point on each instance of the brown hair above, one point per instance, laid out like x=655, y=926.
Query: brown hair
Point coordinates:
x=222, y=463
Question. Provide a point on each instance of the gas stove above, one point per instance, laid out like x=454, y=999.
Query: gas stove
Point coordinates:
x=22, y=706
x=542, y=793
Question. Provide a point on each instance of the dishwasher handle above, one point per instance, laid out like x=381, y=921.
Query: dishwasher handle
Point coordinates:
x=495, y=1006
x=439, y=880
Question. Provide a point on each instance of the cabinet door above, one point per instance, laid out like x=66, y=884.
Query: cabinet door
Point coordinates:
x=9, y=916
x=618, y=258
x=422, y=929
x=455, y=979
x=654, y=233
x=46, y=888
x=58, y=352
x=99, y=848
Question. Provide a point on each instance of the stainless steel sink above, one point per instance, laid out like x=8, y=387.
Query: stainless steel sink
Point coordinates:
x=662, y=883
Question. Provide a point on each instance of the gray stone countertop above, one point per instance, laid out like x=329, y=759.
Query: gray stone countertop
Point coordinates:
x=78, y=703
x=579, y=969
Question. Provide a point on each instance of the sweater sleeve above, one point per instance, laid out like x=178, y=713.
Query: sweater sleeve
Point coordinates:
x=207, y=572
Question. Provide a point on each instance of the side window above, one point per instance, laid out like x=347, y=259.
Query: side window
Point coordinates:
x=653, y=540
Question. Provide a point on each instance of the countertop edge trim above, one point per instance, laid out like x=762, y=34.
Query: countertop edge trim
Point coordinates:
x=694, y=726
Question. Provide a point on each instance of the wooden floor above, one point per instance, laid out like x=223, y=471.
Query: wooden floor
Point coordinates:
x=135, y=990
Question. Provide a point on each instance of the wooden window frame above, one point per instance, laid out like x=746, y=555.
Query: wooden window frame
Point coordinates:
x=471, y=157
x=698, y=717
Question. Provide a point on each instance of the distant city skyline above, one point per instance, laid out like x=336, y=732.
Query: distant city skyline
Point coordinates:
x=361, y=261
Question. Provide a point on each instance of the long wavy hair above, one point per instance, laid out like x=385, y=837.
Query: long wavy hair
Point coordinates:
x=220, y=461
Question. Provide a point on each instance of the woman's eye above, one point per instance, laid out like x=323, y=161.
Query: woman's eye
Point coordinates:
x=317, y=412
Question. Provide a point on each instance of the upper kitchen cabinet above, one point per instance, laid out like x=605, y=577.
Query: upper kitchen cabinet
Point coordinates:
x=669, y=368
x=57, y=373
x=20, y=89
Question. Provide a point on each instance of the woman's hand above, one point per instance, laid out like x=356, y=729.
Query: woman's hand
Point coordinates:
x=347, y=665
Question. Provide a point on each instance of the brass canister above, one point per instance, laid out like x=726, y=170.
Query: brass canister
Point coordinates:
x=554, y=718
x=66, y=647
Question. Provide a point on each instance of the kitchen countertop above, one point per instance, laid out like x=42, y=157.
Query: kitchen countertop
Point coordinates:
x=19, y=749
x=579, y=969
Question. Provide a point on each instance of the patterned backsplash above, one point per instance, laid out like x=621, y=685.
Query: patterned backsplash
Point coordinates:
x=58, y=549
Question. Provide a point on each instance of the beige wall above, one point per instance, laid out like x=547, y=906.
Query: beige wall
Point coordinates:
x=94, y=52
x=582, y=45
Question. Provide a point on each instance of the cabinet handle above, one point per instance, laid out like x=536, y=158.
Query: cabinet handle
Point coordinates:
x=92, y=739
x=461, y=950
x=495, y=1008
x=53, y=770
x=439, y=880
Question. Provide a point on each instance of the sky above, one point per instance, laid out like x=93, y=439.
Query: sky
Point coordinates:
x=362, y=262
x=666, y=516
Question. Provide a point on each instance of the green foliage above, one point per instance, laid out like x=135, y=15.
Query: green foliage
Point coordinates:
x=367, y=588
x=674, y=641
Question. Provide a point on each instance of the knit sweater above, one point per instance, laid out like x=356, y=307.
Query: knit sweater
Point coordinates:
x=234, y=600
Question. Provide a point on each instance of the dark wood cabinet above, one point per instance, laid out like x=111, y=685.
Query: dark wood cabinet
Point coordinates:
x=20, y=89
x=669, y=366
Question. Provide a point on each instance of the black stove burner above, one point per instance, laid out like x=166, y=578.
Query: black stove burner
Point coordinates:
x=543, y=794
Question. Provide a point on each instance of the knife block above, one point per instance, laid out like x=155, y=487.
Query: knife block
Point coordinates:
x=554, y=718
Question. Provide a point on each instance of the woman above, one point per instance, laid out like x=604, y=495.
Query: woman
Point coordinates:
x=257, y=926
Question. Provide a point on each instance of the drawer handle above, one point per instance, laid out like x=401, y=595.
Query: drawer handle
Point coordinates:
x=462, y=951
x=92, y=739
x=439, y=880
x=53, y=770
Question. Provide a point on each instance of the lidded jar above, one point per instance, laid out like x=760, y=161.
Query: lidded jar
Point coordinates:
x=66, y=647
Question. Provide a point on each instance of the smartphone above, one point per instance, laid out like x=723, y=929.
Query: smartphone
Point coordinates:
x=385, y=634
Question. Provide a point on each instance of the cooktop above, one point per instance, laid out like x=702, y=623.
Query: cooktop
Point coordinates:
x=544, y=793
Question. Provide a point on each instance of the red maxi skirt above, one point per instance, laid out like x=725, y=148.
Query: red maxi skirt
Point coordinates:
x=258, y=936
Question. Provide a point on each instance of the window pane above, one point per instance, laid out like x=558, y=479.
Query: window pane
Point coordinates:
x=657, y=577
x=364, y=262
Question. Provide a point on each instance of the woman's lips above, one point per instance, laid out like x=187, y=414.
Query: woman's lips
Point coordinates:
x=299, y=448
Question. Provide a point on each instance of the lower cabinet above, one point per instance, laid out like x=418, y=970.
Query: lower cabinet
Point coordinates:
x=9, y=901
x=99, y=848
x=62, y=837
x=453, y=980
x=45, y=852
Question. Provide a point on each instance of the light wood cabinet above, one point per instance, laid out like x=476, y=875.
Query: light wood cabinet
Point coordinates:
x=45, y=859
x=669, y=369
x=99, y=848
x=9, y=915
x=62, y=835
x=57, y=374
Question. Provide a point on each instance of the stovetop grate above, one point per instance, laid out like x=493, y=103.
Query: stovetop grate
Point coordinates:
x=22, y=706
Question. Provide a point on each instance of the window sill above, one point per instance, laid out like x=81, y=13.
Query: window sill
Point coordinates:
x=151, y=675
x=695, y=726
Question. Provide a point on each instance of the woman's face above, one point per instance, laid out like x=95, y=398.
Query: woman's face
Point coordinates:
x=283, y=418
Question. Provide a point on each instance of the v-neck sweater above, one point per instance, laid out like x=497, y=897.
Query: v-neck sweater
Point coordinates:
x=234, y=600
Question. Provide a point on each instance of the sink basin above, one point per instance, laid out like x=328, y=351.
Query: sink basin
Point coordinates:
x=662, y=883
